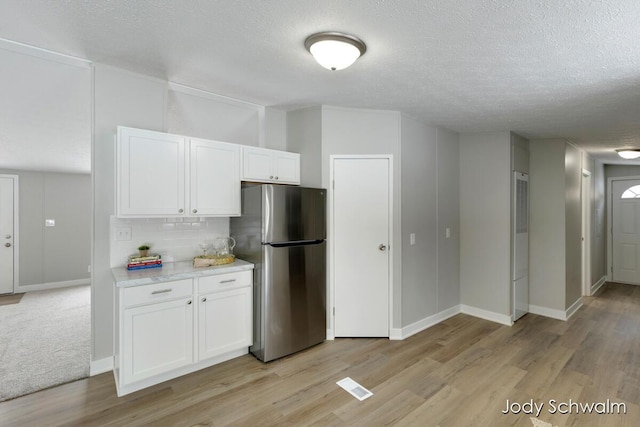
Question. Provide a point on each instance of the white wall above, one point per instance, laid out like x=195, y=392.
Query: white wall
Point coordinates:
x=45, y=110
x=485, y=194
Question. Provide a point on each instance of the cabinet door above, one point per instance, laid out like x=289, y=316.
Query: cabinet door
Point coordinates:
x=150, y=173
x=257, y=164
x=286, y=167
x=224, y=322
x=157, y=338
x=215, y=178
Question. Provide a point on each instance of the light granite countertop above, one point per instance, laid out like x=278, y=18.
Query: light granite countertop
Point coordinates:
x=173, y=271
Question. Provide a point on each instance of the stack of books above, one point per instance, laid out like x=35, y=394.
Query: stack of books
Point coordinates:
x=141, y=262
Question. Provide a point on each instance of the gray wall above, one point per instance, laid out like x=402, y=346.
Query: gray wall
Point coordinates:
x=304, y=136
x=573, y=225
x=485, y=218
x=614, y=171
x=355, y=131
x=419, y=216
x=53, y=255
x=598, y=220
x=547, y=224
x=448, y=163
x=125, y=99
x=426, y=194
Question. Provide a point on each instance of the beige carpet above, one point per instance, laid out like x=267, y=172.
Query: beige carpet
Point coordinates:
x=44, y=340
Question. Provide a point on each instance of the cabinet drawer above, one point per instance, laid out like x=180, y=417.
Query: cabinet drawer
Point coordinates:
x=221, y=282
x=164, y=291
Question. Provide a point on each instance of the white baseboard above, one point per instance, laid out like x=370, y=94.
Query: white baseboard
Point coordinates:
x=596, y=286
x=52, y=285
x=486, y=315
x=421, y=325
x=556, y=314
x=100, y=366
x=548, y=312
x=574, y=307
x=330, y=336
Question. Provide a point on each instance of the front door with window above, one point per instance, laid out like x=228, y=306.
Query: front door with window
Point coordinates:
x=625, y=227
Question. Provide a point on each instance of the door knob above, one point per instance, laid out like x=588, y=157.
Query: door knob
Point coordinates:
x=7, y=245
x=382, y=247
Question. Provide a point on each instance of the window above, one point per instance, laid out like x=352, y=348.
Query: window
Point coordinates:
x=632, y=192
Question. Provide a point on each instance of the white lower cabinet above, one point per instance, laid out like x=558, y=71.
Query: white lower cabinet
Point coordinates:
x=225, y=318
x=168, y=329
x=158, y=338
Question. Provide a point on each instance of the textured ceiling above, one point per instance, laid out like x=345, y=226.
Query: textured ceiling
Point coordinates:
x=544, y=68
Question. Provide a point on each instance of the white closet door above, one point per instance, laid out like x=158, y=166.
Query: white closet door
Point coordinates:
x=361, y=224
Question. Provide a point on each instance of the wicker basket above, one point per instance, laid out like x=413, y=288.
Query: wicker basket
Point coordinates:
x=210, y=260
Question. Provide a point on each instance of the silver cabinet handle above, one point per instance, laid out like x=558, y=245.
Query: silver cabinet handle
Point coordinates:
x=228, y=281
x=271, y=177
x=164, y=291
x=195, y=211
x=382, y=247
x=189, y=302
x=8, y=245
x=180, y=210
x=276, y=178
x=204, y=299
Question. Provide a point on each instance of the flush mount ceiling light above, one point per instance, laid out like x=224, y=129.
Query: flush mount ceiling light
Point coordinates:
x=335, y=51
x=628, y=153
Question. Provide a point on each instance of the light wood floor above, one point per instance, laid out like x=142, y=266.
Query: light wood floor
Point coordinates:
x=458, y=373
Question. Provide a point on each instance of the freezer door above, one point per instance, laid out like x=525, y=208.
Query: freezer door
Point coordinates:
x=293, y=214
x=294, y=301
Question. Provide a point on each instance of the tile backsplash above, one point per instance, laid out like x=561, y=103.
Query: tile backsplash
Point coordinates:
x=175, y=239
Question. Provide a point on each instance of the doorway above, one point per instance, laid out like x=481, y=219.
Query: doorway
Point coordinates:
x=360, y=236
x=8, y=230
x=625, y=231
x=586, y=232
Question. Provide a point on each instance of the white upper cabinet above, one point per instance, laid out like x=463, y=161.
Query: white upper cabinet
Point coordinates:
x=215, y=178
x=166, y=175
x=150, y=172
x=264, y=165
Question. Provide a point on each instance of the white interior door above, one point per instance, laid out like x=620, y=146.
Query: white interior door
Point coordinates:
x=361, y=253
x=7, y=235
x=626, y=231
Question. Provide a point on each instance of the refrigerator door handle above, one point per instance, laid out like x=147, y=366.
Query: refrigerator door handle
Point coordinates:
x=298, y=243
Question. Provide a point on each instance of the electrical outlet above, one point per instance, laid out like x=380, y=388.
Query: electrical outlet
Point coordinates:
x=123, y=233
x=412, y=238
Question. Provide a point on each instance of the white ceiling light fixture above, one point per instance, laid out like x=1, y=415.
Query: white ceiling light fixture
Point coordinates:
x=628, y=153
x=335, y=51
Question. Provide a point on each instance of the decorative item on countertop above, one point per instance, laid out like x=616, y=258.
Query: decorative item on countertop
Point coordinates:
x=212, y=260
x=143, y=262
x=143, y=249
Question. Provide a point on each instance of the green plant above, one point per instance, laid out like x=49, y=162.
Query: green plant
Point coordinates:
x=143, y=247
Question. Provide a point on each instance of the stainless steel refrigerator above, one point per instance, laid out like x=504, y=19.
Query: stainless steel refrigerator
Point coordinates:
x=282, y=231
